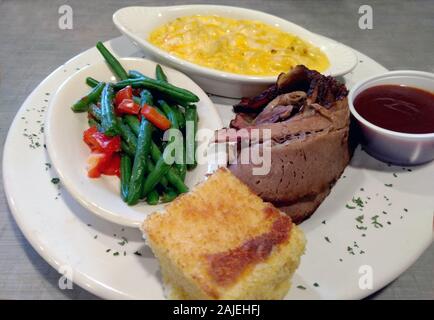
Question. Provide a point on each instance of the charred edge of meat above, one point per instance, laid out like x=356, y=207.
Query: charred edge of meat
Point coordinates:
x=320, y=89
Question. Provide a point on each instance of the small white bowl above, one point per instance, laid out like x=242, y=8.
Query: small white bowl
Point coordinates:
x=68, y=153
x=391, y=146
x=138, y=22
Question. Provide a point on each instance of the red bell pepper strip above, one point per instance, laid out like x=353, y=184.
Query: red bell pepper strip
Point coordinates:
x=96, y=163
x=156, y=118
x=128, y=106
x=99, y=142
x=125, y=93
x=113, y=166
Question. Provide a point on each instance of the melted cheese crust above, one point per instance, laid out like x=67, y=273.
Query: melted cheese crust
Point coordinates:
x=236, y=46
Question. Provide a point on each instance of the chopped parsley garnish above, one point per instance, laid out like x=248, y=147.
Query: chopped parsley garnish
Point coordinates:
x=96, y=236
x=349, y=207
x=359, y=219
x=361, y=227
x=358, y=202
x=115, y=253
x=375, y=222
x=395, y=175
x=405, y=209
x=388, y=184
x=137, y=253
x=327, y=239
x=361, y=189
x=316, y=284
x=301, y=287
x=108, y=250
x=55, y=180
x=323, y=222
x=384, y=212
x=350, y=250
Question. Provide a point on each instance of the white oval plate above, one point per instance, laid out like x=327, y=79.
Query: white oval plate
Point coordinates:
x=68, y=153
x=138, y=22
x=72, y=238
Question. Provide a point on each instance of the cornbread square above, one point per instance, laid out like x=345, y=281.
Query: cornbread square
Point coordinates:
x=221, y=241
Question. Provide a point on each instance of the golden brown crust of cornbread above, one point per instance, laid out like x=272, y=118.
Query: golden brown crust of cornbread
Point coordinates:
x=226, y=267
x=220, y=217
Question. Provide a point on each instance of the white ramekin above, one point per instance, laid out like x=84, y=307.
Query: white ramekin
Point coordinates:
x=390, y=146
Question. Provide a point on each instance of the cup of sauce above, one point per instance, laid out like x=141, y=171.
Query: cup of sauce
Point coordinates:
x=395, y=112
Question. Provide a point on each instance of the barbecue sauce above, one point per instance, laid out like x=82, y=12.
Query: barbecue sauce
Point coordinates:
x=397, y=108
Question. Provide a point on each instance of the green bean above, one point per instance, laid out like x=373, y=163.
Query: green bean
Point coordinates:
x=125, y=147
x=133, y=122
x=159, y=74
x=161, y=168
x=170, y=114
x=146, y=98
x=176, y=93
x=173, y=117
x=91, y=82
x=180, y=116
x=95, y=112
x=114, y=64
x=169, y=195
x=150, y=166
x=127, y=134
x=153, y=198
x=125, y=176
x=140, y=158
x=172, y=176
x=108, y=117
x=190, y=148
x=134, y=74
x=92, y=122
x=82, y=105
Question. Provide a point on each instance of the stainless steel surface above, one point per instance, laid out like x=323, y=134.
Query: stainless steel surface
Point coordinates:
x=32, y=45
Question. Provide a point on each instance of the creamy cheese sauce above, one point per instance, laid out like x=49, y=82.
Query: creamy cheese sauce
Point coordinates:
x=237, y=46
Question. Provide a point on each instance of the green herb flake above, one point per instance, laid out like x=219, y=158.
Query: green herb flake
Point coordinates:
x=395, y=175
x=375, y=222
x=389, y=185
x=361, y=227
x=316, y=284
x=359, y=219
x=384, y=212
x=358, y=202
x=137, y=253
x=116, y=253
x=301, y=287
x=96, y=236
x=350, y=250
x=55, y=180
x=405, y=209
x=349, y=207
x=323, y=222
x=361, y=189
x=108, y=250
x=327, y=239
